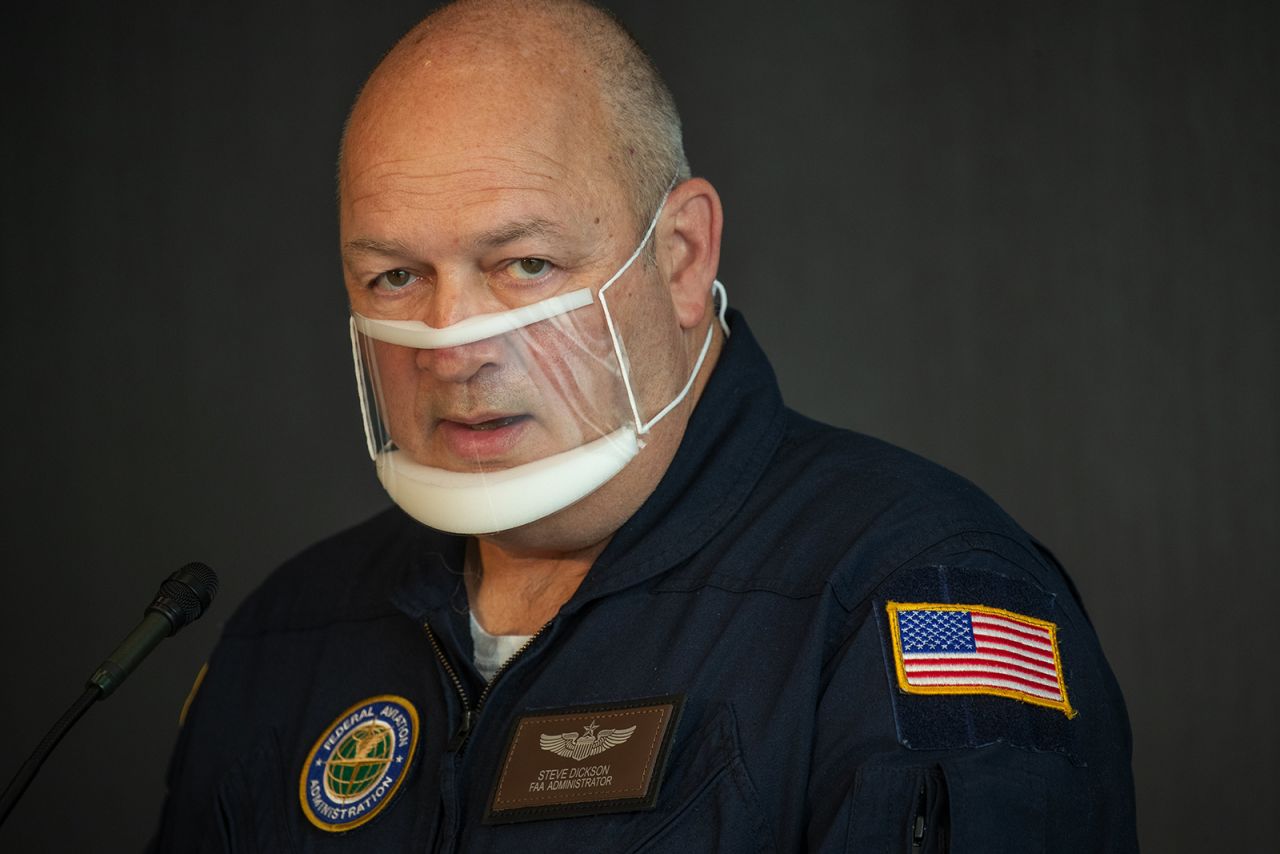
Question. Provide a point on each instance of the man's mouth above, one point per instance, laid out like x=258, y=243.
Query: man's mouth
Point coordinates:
x=494, y=423
x=484, y=437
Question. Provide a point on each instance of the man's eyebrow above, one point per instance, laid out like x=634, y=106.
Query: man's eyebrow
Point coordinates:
x=369, y=246
x=491, y=239
x=513, y=231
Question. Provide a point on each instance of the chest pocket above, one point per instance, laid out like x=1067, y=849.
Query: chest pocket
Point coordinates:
x=253, y=814
x=708, y=801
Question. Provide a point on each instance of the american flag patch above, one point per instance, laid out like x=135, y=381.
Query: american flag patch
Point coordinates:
x=973, y=649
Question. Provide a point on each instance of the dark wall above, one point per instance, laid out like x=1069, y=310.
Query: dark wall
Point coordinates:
x=1034, y=242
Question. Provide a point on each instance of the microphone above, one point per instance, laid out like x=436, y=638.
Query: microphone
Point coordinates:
x=182, y=598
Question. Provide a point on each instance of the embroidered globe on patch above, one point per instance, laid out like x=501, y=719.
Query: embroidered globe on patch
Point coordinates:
x=358, y=763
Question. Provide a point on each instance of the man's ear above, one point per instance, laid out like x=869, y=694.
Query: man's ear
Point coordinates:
x=689, y=248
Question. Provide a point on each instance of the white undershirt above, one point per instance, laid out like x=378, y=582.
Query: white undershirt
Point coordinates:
x=492, y=651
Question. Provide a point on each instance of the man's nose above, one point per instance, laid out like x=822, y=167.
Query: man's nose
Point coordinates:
x=454, y=299
x=462, y=363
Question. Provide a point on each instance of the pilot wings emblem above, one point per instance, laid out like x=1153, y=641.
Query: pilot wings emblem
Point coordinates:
x=578, y=747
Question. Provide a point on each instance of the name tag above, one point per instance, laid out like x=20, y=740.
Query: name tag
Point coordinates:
x=587, y=760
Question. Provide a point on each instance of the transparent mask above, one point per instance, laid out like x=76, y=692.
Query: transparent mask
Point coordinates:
x=515, y=412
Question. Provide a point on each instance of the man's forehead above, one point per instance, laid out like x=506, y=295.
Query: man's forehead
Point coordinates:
x=484, y=142
x=450, y=143
x=438, y=166
x=484, y=173
x=478, y=201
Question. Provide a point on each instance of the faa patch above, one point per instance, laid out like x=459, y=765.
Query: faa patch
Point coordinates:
x=358, y=763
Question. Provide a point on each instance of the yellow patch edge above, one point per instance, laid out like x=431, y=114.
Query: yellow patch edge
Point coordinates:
x=191, y=695
x=1063, y=705
x=387, y=799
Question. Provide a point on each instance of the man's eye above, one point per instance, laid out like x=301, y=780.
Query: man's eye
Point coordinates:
x=529, y=268
x=395, y=280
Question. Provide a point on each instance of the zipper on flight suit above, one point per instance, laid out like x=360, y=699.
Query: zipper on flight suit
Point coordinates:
x=469, y=712
x=918, y=824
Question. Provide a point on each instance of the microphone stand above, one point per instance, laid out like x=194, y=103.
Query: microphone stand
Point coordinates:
x=29, y=768
x=183, y=597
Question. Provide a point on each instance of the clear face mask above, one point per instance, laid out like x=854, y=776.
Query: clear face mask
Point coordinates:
x=513, y=414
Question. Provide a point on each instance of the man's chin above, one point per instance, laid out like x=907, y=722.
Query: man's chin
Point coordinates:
x=573, y=530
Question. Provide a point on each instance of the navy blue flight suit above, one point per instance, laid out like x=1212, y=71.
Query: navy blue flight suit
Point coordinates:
x=754, y=584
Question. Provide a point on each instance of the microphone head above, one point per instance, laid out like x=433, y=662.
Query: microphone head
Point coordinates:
x=185, y=595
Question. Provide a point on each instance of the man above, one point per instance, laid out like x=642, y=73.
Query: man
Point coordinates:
x=628, y=601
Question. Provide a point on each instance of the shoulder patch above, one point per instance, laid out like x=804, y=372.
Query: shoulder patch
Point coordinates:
x=975, y=649
x=358, y=763
x=971, y=708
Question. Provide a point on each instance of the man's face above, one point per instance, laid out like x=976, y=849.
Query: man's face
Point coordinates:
x=468, y=191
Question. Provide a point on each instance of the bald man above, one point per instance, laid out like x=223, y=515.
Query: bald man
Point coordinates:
x=626, y=600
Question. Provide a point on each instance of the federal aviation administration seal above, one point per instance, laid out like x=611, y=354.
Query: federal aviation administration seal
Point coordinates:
x=358, y=763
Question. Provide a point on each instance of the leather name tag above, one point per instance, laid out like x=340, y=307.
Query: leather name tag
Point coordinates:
x=587, y=760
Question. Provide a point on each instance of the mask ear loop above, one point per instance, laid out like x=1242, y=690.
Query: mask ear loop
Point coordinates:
x=643, y=427
x=608, y=316
x=721, y=297
x=721, y=303
x=675, y=401
x=722, y=300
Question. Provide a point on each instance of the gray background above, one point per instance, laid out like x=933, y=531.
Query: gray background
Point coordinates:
x=1034, y=242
